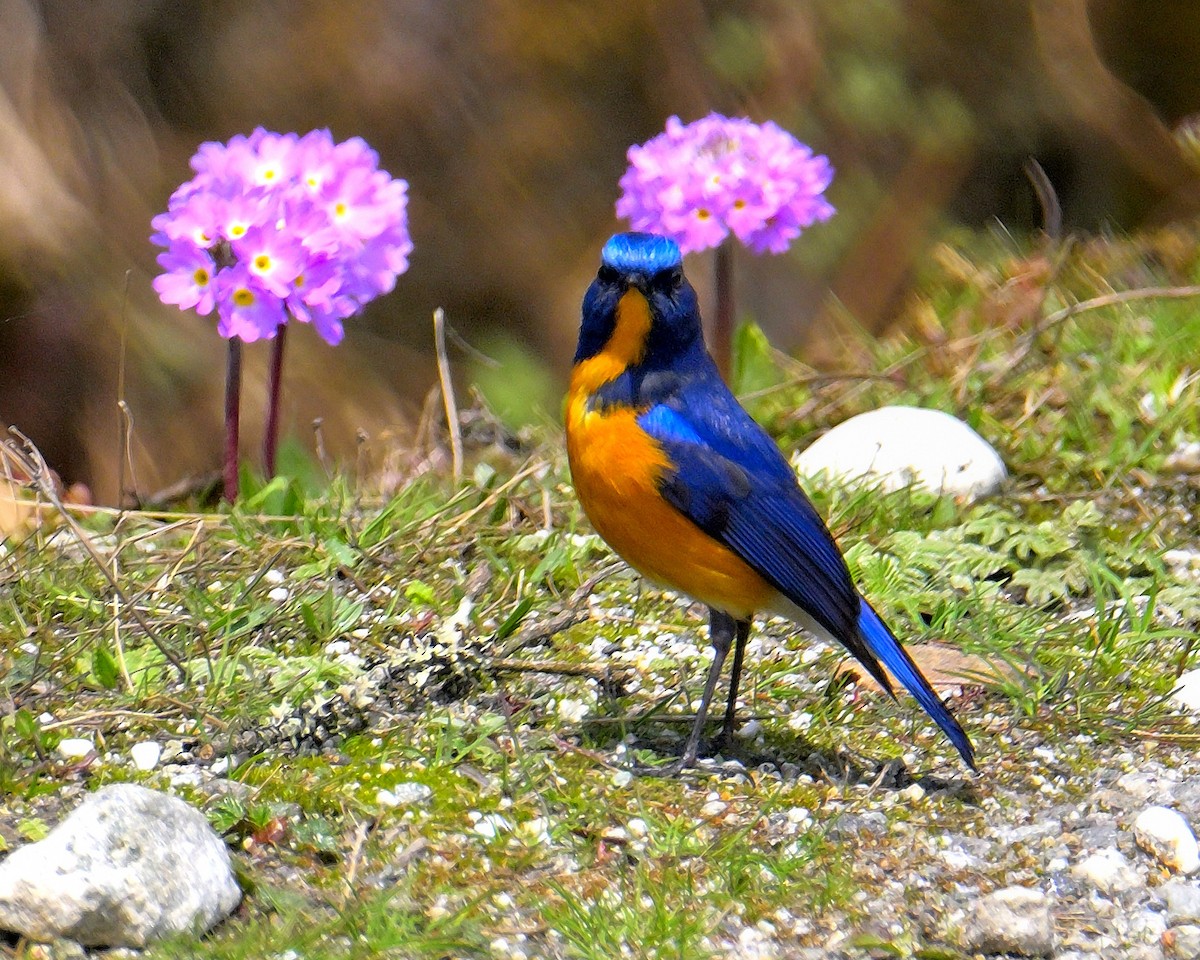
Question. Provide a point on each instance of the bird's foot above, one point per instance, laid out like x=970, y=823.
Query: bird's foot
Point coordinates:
x=667, y=770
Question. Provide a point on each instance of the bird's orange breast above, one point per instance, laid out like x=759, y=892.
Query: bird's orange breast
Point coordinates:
x=616, y=467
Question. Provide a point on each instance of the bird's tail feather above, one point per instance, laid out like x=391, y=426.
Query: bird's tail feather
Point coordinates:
x=886, y=647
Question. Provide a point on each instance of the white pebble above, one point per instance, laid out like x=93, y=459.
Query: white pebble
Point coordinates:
x=713, y=808
x=912, y=793
x=278, y=594
x=1187, y=692
x=1165, y=834
x=490, y=825
x=572, y=711
x=403, y=794
x=145, y=755
x=1108, y=871
x=622, y=778
x=274, y=577
x=74, y=748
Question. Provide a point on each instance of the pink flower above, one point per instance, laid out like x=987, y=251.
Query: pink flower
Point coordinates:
x=188, y=282
x=288, y=227
x=246, y=309
x=699, y=182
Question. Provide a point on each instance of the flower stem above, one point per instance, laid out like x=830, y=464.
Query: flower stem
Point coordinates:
x=271, y=437
x=233, y=396
x=722, y=344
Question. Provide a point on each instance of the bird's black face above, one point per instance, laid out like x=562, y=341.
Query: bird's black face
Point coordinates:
x=647, y=267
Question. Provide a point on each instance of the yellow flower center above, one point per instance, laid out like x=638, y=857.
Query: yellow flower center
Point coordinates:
x=702, y=214
x=339, y=210
x=201, y=277
x=243, y=297
x=739, y=204
x=262, y=263
x=298, y=282
x=237, y=229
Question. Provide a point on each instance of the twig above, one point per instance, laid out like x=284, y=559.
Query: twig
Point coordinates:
x=1022, y=346
x=443, y=364
x=39, y=473
x=556, y=668
x=1047, y=199
x=118, y=642
x=125, y=422
x=575, y=612
x=1121, y=296
x=318, y=427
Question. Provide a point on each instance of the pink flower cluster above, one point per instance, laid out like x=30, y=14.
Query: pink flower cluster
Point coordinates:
x=698, y=182
x=277, y=226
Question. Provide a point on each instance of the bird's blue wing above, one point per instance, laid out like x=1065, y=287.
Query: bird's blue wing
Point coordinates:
x=730, y=479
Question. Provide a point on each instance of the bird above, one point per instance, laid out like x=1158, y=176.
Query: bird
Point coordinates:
x=695, y=495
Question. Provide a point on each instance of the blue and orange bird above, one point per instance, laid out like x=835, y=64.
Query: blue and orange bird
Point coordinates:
x=694, y=494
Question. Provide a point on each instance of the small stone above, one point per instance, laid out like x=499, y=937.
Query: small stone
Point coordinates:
x=1185, y=458
x=713, y=808
x=1183, y=902
x=75, y=748
x=1183, y=941
x=1187, y=692
x=1164, y=833
x=404, y=795
x=1012, y=920
x=172, y=750
x=128, y=866
x=912, y=793
x=145, y=755
x=897, y=447
x=1108, y=871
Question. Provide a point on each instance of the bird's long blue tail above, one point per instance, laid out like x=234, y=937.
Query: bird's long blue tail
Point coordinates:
x=887, y=648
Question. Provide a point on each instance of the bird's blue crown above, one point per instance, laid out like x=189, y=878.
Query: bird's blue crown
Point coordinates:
x=645, y=253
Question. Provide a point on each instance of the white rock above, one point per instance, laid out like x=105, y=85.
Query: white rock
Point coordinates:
x=1108, y=871
x=127, y=867
x=75, y=748
x=145, y=755
x=897, y=447
x=1187, y=692
x=1165, y=834
x=1183, y=902
x=1012, y=920
x=1185, y=458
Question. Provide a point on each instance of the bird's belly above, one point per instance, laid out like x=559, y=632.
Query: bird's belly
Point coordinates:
x=616, y=468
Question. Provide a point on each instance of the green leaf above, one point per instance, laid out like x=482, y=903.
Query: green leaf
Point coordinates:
x=33, y=829
x=513, y=620
x=754, y=366
x=418, y=592
x=105, y=669
x=26, y=727
x=341, y=553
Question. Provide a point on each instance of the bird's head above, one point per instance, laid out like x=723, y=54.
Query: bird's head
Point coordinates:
x=640, y=308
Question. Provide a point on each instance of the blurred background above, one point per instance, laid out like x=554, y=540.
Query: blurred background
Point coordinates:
x=510, y=119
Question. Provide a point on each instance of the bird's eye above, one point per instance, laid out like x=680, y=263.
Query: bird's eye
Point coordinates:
x=669, y=281
x=607, y=274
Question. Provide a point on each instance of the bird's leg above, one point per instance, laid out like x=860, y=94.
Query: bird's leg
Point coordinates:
x=720, y=635
x=739, y=655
